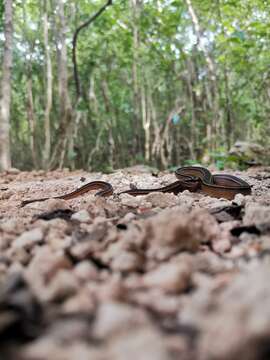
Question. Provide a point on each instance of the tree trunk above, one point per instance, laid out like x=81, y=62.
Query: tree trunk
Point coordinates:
x=192, y=96
x=49, y=79
x=59, y=153
x=109, y=111
x=156, y=131
x=228, y=128
x=146, y=120
x=5, y=157
x=135, y=6
x=31, y=120
x=211, y=72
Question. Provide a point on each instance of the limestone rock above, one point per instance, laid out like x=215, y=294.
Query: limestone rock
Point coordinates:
x=81, y=216
x=172, y=277
x=28, y=239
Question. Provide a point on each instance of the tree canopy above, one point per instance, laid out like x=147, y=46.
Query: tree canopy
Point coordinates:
x=161, y=81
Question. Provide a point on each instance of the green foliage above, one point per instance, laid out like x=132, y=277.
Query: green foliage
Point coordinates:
x=1, y=16
x=169, y=67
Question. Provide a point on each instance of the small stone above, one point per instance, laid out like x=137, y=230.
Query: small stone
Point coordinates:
x=28, y=239
x=256, y=214
x=128, y=218
x=56, y=204
x=127, y=261
x=13, y=171
x=111, y=290
x=47, y=347
x=83, y=302
x=86, y=271
x=239, y=199
x=81, y=216
x=11, y=226
x=62, y=285
x=45, y=264
x=16, y=268
x=82, y=251
x=134, y=201
x=171, y=278
x=162, y=200
x=19, y=254
x=237, y=252
x=158, y=301
x=5, y=195
x=56, y=234
x=222, y=246
x=139, y=343
x=114, y=318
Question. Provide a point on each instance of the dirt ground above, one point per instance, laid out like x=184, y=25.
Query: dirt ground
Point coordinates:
x=159, y=276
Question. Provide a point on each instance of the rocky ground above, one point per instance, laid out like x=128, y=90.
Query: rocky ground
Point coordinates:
x=140, y=278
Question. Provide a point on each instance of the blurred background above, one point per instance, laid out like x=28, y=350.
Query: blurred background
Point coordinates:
x=158, y=82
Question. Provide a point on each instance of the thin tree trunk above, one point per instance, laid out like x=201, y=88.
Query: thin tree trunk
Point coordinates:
x=146, y=120
x=192, y=96
x=31, y=120
x=135, y=5
x=65, y=103
x=92, y=98
x=109, y=111
x=72, y=135
x=229, y=113
x=229, y=122
x=156, y=133
x=165, y=134
x=5, y=157
x=49, y=79
x=96, y=148
x=212, y=74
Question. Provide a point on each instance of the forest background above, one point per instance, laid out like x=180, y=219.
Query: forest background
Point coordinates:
x=160, y=82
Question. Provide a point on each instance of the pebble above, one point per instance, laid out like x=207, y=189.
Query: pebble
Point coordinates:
x=171, y=278
x=81, y=216
x=28, y=239
x=256, y=214
x=5, y=195
x=11, y=226
x=86, y=271
x=62, y=285
x=116, y=318
x=162, y=200
x=127, y=261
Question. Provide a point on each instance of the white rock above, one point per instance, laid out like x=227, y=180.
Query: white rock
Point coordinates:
x=86, y=271
x=239, y=199
x=6, y=194
x=81, y=216
x=114, y=318
x=172, y=277
x=134, y=201
x=256, y=214
x=45, y=264
x=61, y=286
x=10, y=226
x=127, y=261
x=28, y=239
x=82, y=302
x=13, y=171
x=139, y=344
